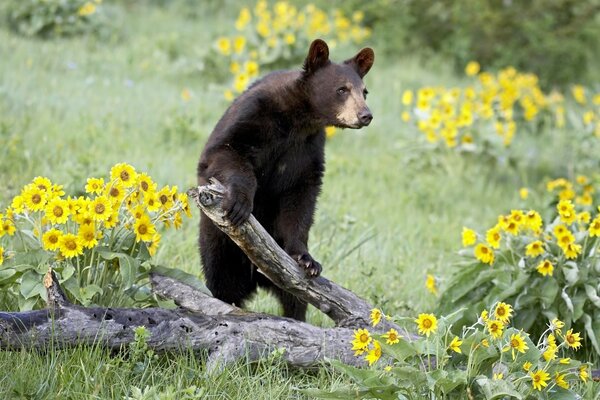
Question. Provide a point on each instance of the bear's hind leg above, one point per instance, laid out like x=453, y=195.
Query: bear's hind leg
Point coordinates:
x=227, y=270
x=293, y=307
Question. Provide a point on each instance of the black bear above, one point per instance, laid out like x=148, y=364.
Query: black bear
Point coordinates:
x=268, y=151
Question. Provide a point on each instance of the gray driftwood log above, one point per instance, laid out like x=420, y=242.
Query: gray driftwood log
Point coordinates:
x=224, y=332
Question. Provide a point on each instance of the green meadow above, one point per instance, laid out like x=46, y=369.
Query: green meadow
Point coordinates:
x=391, y=210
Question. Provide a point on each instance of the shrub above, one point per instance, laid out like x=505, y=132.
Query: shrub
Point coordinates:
x=488, y=359
x=53, y=17
x=546, y=270
x=278, y=36
x=100, y=245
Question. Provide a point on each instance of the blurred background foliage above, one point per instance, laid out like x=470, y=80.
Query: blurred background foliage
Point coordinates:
x=556, y=39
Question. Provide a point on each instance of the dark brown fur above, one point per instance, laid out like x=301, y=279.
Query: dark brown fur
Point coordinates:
x=268, y=150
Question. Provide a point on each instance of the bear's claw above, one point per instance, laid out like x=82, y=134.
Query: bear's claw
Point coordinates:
x=310, y=265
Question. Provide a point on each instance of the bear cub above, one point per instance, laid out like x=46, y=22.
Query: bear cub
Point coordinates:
x=268, y=151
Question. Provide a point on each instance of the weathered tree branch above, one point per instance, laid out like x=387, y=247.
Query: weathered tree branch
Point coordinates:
x=341, y=305
x=225, y=332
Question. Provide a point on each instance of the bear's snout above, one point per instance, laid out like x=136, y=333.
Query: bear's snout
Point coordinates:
x=365, y=117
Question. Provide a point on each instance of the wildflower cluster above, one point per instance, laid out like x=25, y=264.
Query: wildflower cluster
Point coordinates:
x=267, y=35
x=544, y=267
x=115, y=225
x=488, y=112
x=53, y=17
x=489, y=356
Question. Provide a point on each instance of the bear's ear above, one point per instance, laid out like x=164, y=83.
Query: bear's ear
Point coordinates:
x=363, y=61
x=318, y=56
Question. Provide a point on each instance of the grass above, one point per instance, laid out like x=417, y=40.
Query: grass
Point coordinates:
x=391, y=208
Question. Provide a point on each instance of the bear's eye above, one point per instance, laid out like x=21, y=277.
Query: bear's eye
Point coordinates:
x=365, y=93
x=342, y=90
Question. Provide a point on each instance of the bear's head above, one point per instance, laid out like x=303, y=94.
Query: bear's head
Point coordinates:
x=336, y=91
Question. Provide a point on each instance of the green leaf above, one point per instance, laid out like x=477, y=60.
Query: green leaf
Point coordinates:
x=399, y=351
x=88, y=292
x=592, y=295
x=341, y=394
x=181, y=276
x=128, y=266
x=497, y=389
x=547, y=291
x=8, y=276
x=447, y=381
x=571, y=273
x=578, y=304
x=31, y=285
x=591, y=332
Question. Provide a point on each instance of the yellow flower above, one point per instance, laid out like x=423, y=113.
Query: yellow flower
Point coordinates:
x=7, y=227
x=484, y=317
x=50, y=239
x=375, y=316
x=527, y=366
x=243, y=19
x=330, y=131
x=145, y=183
x=484, y=254
x=565, y=361
x=545, y=268
x=498, y=376
x=100, y=208
x=289, y=38
x=495, y=328
x=241, y=82
x=87, y=9
x=578, y=92
x=152, y=202
x=455, y=345
x=228, y=94
x=94, y=185
x=517, y=343
x=427, y=324
x=566, y=210
x=124, y=174
x=144, y=229
x=503, y=312
x=560, y=380
x=34, y=197
x=556, y=324
x=572, y=339
x=485, y=343
x=251, y=68
x=583, y=374
x=524, y=193
x=391, y=336
x=407, y=97
x=493, y=237
x=595, y=227
x=18, y=204
x=238, y=44
x=88, y=236
x=153, y=245
x=361, y=341
x=539, y=379
x=57, y=211
x=430, y=284
x=224, y=46
x=472, y=68
x=70, y=245
x=572, y=250
x=469, y=237
x=534, y=249
x=374, y=354
x=1, y=255
x=186, y=94
x=533, y=220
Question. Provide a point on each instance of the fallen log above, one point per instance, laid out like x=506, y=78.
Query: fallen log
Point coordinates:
x=225, y=336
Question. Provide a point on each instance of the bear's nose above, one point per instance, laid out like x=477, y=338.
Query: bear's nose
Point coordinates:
x=365, y=117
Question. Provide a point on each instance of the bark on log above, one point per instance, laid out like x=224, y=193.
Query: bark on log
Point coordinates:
x=344, y=307
x=225, y=333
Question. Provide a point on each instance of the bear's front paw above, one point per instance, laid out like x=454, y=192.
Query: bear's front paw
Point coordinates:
x=310, y=265
x=237, y=208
